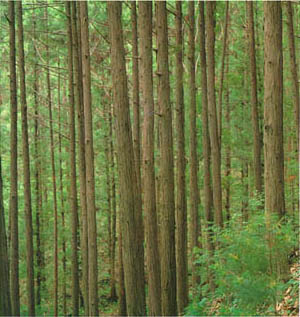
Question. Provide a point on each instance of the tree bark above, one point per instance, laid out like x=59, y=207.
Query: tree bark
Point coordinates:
x=147, y=101
x=273, y=112
x=181, y=204
x=13, y=206
x=130, y=199
x=254, y=101
x=167, y=202
x=26, y=168
x=212, y=114
x=89, y=159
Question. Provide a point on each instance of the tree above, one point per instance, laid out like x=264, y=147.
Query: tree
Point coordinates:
x=132, y=254
x=26, y=167
x=273, y=110
x=167, y=203
x=254, y=100
x=212, y=114
x=181, y=205
x=13, y=206
x=89, y=161
x=151, y=232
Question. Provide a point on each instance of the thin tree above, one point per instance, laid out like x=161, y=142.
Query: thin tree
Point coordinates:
x=13, y=203
x=273, y=110
x=5, y=304
x=254, y=100
x=133, y=255
x=147, y=101
x=73, y=186
x=78, y=94
x=89, y=160
x=26, y=167
x=167, y=201
x=212, y=114
x=194, y=192
x=181, y=204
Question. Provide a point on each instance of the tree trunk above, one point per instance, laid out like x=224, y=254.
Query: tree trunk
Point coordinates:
x=181, y=205
x=73, y=186
x=151, y=231
x=78, y=94
x=89, y=159
x=212, y=115
x=13, y=206
x=26, y=168
x=273, y=112
x=167, y=203
x=255, y=121
x=5, y=304
x=130, y=199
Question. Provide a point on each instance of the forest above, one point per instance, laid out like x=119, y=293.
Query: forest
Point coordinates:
x=149, y=158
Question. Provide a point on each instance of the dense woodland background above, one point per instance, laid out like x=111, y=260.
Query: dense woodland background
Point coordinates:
x=149, y=158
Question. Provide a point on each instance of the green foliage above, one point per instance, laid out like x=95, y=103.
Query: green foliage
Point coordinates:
x=245, y=284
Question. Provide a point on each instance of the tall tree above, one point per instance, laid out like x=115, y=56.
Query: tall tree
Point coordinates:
x=129, y=195
x=194, y=192
x=89, y=160
x=254, y=100
x=78, y=94
x=26, y=167
x=212, y=113
x=5, y=304
x=167, y=202
x=181, y=205
x=151, y=232
x=13, y=206
x=73, y=186
x=273, y=110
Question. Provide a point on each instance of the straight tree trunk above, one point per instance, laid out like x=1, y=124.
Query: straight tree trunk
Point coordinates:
x=208, y=199
x=5, y=304
x=13, y=205
x=122, y=311
x=181, y=204
x=294, y=73
x=151, y=231
x=224, y=52
x=78, y=94
x=194, y=191
x=26, y=168
x=273, y=110
x=73, y=186
x=167, y=202
x=89, y=159
x=212, y=114
x=254, y=101
x=62, y=210
x=130, y=197
x=53, y=175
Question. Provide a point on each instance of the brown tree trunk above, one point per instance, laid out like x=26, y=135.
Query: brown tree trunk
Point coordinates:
x=224, y=52
x=133, y=255
x=212, y=114
x=194, y=192
x=89, y=159
x=208, y=199
x=73, y=186
x=294, y=73
x=167, y=202
x=181, y=205
x=5, y=304
x=13, y=205
x=151, y=231
x=273, y=110
x=78, y=94
x=255, y=120
x=26, y=168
